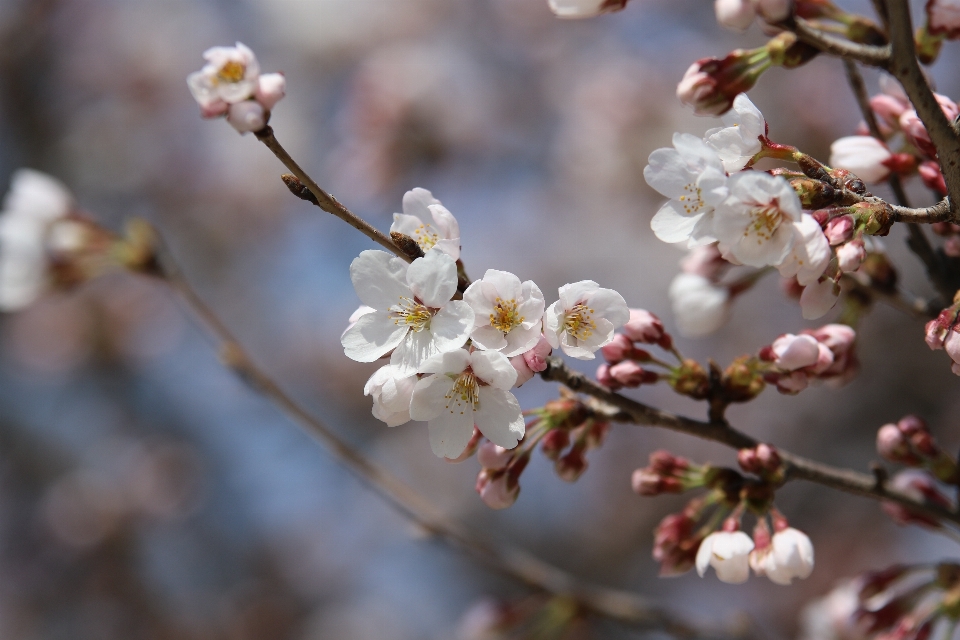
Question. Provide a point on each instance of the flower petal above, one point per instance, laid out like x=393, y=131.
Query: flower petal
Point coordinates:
x=413, y=351
x=379, y=279
x=494, y=368
x=429, y=397
x=433, y=278
x=450, y=433
x=372, y=337
x=500, y=418
x=452, y=325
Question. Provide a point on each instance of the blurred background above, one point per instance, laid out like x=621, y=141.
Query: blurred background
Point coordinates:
x=146, y=492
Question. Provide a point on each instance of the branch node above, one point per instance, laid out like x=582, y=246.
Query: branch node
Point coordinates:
x=298, y=189
x=880, y=475
x=407, y=244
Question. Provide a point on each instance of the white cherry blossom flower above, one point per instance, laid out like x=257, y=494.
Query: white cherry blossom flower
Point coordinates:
x=739, y=139
x=508, y=312
x=755, y=223
x=413, y=315
x=428, y=222
x=584, y=318
x=863, y=155
x=810, y=252
x=699, y=306
x=789, y=556
x=468, y=389
x=728, y=552
x=391, y=390
x=584, y=8
x=230, y=76
x=35, y=204
x=692, y=176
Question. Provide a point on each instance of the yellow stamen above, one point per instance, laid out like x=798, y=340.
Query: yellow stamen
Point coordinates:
x=465, y=394
x=505, y=316
x=579, y=322
x=425, y=236
x=694, y=202
x=232, y=71
x=764, y=222
x=411, y=313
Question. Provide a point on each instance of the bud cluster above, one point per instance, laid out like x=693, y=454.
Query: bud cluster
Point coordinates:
x=910, y=442
x=762, y=460
x=943, y=332
x=819, y=354
x=624, y=359
x=565, y=429
x=921, y=486
x=667, y=474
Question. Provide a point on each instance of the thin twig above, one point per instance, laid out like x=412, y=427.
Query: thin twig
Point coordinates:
x=627, y=410
x=939, y=212
x=874, y=55
x=515, y=563
x=904, y=66
x=912, y=305
x=323, y=199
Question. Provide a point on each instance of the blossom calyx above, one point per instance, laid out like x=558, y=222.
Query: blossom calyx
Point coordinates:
x=762, y=460
x=711, y=84
x=742, y=380
x=690, y=379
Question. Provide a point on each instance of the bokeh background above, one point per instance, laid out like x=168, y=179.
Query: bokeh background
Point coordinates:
x=146, y=492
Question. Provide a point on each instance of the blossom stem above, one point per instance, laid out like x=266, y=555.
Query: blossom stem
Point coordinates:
x=625, y=607
x=619, y=408
x=874, y=55
x=323, y=199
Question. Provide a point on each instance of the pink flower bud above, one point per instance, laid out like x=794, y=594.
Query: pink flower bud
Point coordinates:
x=643, y=327
x=768, y=457
x=943, y=18
x=735, y=14
x=495, y=489
x=774, y=11
x=916, y=133
x=524, y=372
x=214, y=109
x=747, y=459
x=554, y=443
x=863, y=155
x=270, y=89
x=705, y=261
x=572, y=465
x=839, y=338
x=793, y=383
x=795, y=352
x=910, y=425
x=536, y=358
x=921, y=486
x=647, y=483
x=893, y=446
x=888, y=110
x=604, y=377
x=932, y=177
x=247, y=116
x=851, y=255
x=493, y=457
x=618, y=349
x=665, y=463
x=630, y=374
x=839, y=230
x=675, y=544
x=711, y=84
x=951, y=246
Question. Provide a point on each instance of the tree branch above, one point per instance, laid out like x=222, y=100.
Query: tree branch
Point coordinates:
x=904, y=66
x=873, y=55
x=515, y=563
x=623, y=409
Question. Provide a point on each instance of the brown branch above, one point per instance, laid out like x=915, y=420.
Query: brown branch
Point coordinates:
x=623, y=409
x=905, y=67
x=323, y=199
x=515, y=563
x=873, y=55
x=939, y=212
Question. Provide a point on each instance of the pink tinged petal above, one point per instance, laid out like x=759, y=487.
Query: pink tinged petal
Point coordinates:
x=571, y=294
x=524, y=372
x=429, y=397
x=500, y=418
x=433, y=278
x=553, y=323
x=451, y=326
x=413, y=351
x=951, y=345
x=380, y=279
x=416, y=202
x=520, y=340
x=247, y=116
x=271, y=88
x=494, y=368
x=795, y=352
x=450, y=431
x=489, y=338
x=372, y=337
x=204, y=91
x=672, y=224
x=818, y=298
x=863, y=155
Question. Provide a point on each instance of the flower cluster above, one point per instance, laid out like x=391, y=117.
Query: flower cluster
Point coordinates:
x=565, y=429
x=873, y=161
x=943, y=332
x=453, y=362
x=231, y=85
x=819, y=354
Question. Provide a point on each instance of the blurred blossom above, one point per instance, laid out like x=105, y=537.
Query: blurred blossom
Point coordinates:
x=53, y=336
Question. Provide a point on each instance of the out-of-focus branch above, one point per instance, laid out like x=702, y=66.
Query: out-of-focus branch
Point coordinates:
x=874, y=55
x=515, y=563
x=323, y=199
x=905, y=67
x=619, y=408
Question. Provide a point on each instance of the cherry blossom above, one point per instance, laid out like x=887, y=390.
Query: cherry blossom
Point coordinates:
x=230, y=76
x=728, y=552
x=584, y=8
x=508, y=312
x=584, y=318
x=739, y=139
x=428, y=222
x=944, y=17
x=755, y=223
x=35, y=204
x=692, y=176
x=391, y=390
x=413, y=315
x=789, y=556
x=468, y=389
x=810, y=252
x=863, y=155
x=699, y=306
x=797, y=352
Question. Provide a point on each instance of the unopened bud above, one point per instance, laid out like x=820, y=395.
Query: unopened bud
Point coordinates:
x=893, y=446
x=493, y=457
x=572, y=465
x=839, y=230
x=618, y=349
x=630, y=374
x=554, y=443
x=497, y=489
